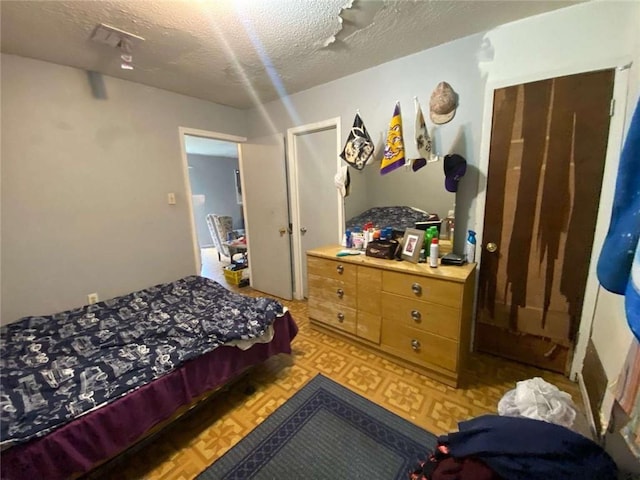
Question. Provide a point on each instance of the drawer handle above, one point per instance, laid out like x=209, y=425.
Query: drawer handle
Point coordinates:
x=415, y=345
x=416, y=288
x=340, y=269
x=340, y=293
x=416, y=316
x=341, y=317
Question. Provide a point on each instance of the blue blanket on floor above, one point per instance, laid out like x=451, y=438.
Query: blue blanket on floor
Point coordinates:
x=524, y=449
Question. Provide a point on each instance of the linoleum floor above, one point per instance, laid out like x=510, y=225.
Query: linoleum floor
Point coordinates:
x=189, y=445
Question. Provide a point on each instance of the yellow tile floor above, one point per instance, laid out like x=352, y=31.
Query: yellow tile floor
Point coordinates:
x=186, y=447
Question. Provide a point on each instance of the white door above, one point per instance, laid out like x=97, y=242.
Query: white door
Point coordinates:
x=317, y=205
x=264, y=191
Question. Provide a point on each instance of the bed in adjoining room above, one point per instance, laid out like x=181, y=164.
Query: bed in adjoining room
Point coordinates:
x=80, y=387
x=399, y=218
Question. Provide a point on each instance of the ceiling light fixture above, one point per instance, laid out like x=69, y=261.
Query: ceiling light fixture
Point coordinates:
x=125, y=56
x=116, y=38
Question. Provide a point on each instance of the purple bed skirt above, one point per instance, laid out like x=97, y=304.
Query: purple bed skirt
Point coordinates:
x=102, y=434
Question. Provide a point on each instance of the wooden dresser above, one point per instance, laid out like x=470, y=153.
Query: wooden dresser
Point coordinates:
x=416, y=315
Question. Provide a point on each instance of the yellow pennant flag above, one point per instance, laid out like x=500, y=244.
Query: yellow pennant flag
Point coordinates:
x=394, y=148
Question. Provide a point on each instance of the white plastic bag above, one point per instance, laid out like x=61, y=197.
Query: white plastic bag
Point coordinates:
x=537, y=399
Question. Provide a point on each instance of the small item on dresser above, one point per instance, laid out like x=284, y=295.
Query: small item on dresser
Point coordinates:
x=452, y=259
x=382, y=249
x=470, y=247
x=412, y=243
x=358, y=241
x=433, y=255
x=344, y=253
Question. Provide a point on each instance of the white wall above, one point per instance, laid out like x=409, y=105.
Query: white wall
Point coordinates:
x=213, y=181
x=375, y=91
x=85, y=183
x=589, y=36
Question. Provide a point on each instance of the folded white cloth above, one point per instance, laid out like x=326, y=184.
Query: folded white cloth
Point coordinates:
x=342, y=180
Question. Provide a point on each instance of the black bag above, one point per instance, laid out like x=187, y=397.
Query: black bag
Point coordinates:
x=386, y=249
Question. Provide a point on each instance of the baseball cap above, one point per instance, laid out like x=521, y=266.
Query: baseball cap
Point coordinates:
x=455, y=166
x=443, y=103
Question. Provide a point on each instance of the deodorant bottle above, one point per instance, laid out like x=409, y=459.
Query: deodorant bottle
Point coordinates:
x=433, y=253
x=470, y=247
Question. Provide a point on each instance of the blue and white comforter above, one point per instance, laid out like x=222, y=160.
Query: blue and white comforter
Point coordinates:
x=58, y=367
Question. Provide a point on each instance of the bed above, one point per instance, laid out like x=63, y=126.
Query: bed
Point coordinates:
x=397, y=217
x=81, y=386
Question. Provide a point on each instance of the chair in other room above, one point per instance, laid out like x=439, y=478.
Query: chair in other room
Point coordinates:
x=220, y=226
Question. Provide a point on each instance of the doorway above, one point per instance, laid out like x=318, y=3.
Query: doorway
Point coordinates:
x=317, y=208
x=546, y=162
x=213, y=187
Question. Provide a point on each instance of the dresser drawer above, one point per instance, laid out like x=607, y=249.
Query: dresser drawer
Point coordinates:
x=432, y=290
x=418, y=346
x=429, y=317
x=337, y=316
x=368, y=290
x=330, y=290
x=368, y=326
x=332, y=269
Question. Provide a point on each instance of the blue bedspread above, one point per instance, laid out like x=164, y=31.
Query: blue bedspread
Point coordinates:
x=397, y=217
x=58, y=367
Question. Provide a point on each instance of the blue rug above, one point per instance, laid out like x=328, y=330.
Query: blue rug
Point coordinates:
x=326, y=431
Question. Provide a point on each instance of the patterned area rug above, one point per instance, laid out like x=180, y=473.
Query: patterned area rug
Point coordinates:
x=326, y=431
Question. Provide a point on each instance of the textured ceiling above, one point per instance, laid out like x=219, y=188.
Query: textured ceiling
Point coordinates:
x=239, y=52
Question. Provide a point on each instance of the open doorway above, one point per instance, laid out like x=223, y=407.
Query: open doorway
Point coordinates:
x=215, y=187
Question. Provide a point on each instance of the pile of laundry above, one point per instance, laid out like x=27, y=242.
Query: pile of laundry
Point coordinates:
x=494, y=447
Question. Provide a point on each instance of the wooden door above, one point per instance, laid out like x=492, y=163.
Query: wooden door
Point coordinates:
x=266, y=206
x=546, y=161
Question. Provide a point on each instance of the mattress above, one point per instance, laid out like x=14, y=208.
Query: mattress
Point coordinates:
x=100, y=433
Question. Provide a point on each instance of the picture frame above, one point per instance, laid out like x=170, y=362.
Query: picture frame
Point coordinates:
x=412, y=243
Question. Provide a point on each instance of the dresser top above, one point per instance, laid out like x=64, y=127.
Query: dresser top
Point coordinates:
x=444, y=272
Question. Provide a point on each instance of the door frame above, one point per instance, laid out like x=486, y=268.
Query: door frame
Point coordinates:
x=612, y=160
x=195, y=132
x=294, y=193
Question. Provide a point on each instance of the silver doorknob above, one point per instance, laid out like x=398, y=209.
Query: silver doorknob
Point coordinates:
x=341, y=317
x=340, y=269
x=303, y=230
x=340, y=293
x=491, y=247
x=415, y=345
x=416, y=288
x=416, y=316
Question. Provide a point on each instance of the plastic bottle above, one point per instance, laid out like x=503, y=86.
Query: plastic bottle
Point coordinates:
x=446, y=230
x=434, y=232
x=433, y=253
x=427, y=241
x=349, y=240
x=470, y=247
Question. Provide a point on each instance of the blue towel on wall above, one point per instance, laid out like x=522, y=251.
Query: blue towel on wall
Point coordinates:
x=621, y=242
x=632, y=296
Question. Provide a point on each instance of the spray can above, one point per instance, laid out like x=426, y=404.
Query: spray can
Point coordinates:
x=470, y=247
x=433, y=253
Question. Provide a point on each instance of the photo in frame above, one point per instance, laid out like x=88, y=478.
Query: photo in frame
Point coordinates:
x=412, y=243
